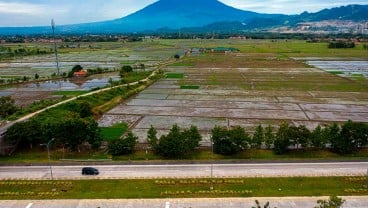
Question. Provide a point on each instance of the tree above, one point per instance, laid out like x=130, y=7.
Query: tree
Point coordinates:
x=303, y=136
x=318, y=137
x=75, y=68
x=84, y=109
x=7, y=106
x=192, y=137
x=93, y=133
x=123, y=146
x=258, y=138
x=125, y=70
x=352, y=137
x=269, y=137
x=152, y=138
x=74, y=131
x=283, y=139
x=37, y=76
x=177, y=56
x=227, y=142
x=177, y=143
x=25, y=134
x=333, y=202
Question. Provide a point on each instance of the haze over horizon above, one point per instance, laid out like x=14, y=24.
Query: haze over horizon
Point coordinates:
x=40, y=12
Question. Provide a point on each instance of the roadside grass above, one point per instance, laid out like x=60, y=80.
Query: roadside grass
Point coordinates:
x=183, y=188
x=136, y=76
x=33, y=108
x=114, y=132
x=39, y=155
x=69, y=93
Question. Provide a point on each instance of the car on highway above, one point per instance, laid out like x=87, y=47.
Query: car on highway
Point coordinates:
x=89, y=171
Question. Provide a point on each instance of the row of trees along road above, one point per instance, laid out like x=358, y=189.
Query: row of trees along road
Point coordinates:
x=345, y=139
x=71, y=126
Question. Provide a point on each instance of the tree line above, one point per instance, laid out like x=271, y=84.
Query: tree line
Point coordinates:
x=71, y=126
x=8, y=52
x=341, y=44
x=345, y=139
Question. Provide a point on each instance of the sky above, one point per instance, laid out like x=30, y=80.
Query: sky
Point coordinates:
x=40, y=12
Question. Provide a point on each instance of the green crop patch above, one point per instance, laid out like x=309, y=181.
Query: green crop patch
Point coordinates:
x=175, y=75
x=114, y=132
x=336, y=72
x=189, y=87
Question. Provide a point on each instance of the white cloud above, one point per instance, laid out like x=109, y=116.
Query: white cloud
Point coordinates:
x=40, y=12
x=288, y=6
x=22, y=8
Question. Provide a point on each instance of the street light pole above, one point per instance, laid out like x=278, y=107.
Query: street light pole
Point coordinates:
x=48, y=155
x=211, y=163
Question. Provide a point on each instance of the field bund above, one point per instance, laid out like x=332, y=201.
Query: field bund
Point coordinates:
x=231, y=96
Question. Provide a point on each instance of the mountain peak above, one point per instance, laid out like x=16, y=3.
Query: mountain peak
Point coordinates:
x=176, y=14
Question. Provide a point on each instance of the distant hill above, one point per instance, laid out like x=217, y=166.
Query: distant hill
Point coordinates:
x=177, y=14
x=198, y=15
x=350, y=12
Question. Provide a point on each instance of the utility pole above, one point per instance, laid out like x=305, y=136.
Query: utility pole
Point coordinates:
x=48, y=155
x=55, y=47
x=211, y=187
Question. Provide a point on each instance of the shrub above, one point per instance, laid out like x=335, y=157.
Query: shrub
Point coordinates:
x=123, y=146
x=227, y=142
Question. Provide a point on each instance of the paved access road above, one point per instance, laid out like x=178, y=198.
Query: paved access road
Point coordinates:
x=281, y=202
x=188, y=171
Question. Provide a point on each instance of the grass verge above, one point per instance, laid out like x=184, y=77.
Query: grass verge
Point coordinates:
x=69, y=93
x=183, y=188
x=39, y=155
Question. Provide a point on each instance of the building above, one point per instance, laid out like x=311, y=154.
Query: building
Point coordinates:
x=81, y=73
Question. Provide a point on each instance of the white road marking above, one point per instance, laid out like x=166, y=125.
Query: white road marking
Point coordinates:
x=167, y=205
x=29, y=205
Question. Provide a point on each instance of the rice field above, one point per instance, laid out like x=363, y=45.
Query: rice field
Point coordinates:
x=267, y=82
x=247, y=89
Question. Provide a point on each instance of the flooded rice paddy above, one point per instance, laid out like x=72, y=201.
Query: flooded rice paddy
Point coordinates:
x=344, y=68
x=225, y=99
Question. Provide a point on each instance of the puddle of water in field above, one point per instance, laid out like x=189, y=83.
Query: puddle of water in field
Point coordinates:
x=3, y=94
x=346, y=68
x=67, y=84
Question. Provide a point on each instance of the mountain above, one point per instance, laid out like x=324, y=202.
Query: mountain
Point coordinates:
x=198, y=15
x=176, y=14
x=350, y=12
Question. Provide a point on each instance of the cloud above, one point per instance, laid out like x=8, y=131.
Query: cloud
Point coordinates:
x=21, y=8
x=288, y=6
x=40, y=12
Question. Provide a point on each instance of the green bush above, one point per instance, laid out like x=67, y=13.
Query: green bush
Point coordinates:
x=177, y=143
x=123, y=146
x=228, y=142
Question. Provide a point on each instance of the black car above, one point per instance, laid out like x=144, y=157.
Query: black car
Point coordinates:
x=89, y=171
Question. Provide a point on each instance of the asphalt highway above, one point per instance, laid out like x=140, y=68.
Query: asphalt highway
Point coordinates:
x=187, y=171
